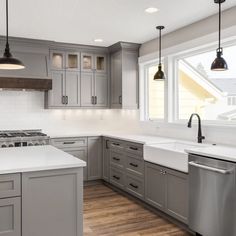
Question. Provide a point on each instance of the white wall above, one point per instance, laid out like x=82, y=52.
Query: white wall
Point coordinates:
x=25, y=110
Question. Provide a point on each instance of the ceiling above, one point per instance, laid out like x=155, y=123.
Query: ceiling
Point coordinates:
x=82, y=21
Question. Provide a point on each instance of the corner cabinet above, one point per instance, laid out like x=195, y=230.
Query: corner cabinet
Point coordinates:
x=79, y=80
x=124, y=75
x=167, y=190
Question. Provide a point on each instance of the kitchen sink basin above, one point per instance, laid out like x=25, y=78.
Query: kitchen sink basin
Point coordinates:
x=171, y=154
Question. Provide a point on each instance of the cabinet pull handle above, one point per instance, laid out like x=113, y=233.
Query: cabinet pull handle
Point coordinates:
x=96, y=99
x=66, y=100
x=133, y=148
x=120, y=99
x=134, y=165
x=116, y=159
x=68, y=142
x=116, y=144
x=92, y=99
x=133, y=185
x=107, y=147
x=116, y=177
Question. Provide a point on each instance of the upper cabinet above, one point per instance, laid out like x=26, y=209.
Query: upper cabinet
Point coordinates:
x=124, y=75
x=93, y=63
x=80, y=80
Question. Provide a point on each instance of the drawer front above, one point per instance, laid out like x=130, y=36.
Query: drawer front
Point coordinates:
x=117, y=177
x=135, y=186
x=134, y=148
x=117, y=145
x=117, y=159
x=10, y=216
x=10, y=185
x=134, y=165
x=69, y=142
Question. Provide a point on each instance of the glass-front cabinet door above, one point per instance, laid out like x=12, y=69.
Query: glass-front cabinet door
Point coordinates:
x=72, y=61
x=87, y=62
x=57, y=60
x=100, y=63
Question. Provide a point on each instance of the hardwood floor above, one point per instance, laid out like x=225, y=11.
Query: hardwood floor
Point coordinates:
x=108, y=213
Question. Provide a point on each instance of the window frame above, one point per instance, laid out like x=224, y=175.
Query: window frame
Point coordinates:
x=170, y=60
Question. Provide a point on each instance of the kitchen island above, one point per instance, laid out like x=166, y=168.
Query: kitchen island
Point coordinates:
x=41, y=192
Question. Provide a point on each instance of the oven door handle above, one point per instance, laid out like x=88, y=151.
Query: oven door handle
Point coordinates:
x=221, y=171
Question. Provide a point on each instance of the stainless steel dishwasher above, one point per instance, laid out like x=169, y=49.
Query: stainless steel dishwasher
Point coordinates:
x=212, y=196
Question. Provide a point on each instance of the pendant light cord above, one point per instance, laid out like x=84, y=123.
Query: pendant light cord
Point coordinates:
x=160, y=47
x=219, y=26
x=7, y=20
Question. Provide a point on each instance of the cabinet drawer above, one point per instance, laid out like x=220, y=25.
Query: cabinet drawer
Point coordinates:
x=116, y=145
x=135, y=186
x=10, y=185
x=134, y=148
x=10, y=216
x=117, y=177
x=117, y=159
x=69, y=142
x=134, y=165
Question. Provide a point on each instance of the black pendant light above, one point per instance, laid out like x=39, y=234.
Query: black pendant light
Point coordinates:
x=8, y=62
x=159, y=74
x=219, y=64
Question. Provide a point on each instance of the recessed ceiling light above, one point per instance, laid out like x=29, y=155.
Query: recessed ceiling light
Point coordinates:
x=151, y=10
x=98, y=40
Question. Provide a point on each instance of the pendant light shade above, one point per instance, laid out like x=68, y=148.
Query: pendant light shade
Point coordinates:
x=8, y=62
x=160, y=75
x=219, y=64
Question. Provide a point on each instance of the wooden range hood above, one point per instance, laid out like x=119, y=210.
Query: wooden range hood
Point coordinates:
x=25, y=83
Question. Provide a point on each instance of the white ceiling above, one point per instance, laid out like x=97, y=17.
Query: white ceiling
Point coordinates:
x=81, y=21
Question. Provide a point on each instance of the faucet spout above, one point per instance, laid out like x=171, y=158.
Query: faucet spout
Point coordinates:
x=200, y=136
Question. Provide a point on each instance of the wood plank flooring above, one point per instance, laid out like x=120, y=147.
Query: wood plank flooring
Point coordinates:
x=108, y=213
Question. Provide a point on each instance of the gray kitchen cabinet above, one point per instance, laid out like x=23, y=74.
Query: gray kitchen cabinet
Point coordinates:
x=94, y=158
x=81, y=153
x=124, y=75
x=94, y=90
x=106, y=159
x=10, y=216
x=52, y=203
x=135, y=185
x=167, y=190
x=154, y=186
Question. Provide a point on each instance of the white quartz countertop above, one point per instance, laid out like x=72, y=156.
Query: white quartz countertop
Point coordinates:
x=218, y=152
x=136, y=138
x=36, y=158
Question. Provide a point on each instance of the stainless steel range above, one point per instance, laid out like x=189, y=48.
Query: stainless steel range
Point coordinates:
x=20, y=138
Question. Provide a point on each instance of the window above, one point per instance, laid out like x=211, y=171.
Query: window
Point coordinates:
x=154, y=93
x=200, y=90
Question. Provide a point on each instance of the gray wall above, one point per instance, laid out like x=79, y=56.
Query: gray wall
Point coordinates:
x=196, y=30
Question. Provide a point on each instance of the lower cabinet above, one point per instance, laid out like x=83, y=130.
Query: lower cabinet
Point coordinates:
x=167, y=190
x=94, y=158
x=52, y=203
x=81, y=153
x=135, y=186
x=10, y=216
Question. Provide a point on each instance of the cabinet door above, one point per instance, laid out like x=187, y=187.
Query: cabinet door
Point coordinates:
x=10, y=216
x=101, y=90
x=94, y=158
x=100, y=63
x=73, y=61
x=177, y=195
x=116, y=80
x=87, y=62
x=106, y=160
x=57, y=59
x=72, y=88
x=154, y=186
x=87, y=93
x=58, y=89
x=81, y=153
x=52, y=203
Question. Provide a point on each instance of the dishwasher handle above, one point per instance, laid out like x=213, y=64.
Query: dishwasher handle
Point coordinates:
x=221, y=171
